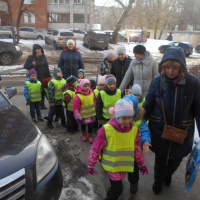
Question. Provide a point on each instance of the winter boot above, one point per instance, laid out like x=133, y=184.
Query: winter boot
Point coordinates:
x=157, y=188
x=84, y=138
x=90, y=138
x=40, y=118
x=134, y=188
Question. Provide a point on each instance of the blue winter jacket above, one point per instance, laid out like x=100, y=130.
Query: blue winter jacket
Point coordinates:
x=70, y=62
x=181, y=103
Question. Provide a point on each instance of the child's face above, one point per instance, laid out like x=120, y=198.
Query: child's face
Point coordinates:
x=59, y=74
x=74, y=84
x=101, y=86
x=81, y=75
x=33, y=77
x=111, y=86
x=86, y=87
x=125, y=121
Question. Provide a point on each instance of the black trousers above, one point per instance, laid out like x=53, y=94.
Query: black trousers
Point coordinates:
x=163, y=167
x=43, y=94
x=72, y=125
x=89, y=126
x=35, y=106
x=57, y=110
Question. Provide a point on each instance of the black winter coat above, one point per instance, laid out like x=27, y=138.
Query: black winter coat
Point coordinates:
x=119, y=68
x=41, y=67
x=181, y=104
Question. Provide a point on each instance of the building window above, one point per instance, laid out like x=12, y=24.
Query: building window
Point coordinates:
x=29, y=18
x=77, y=1
x=29, y=1
x=79, y=18
x=56, y=1
x=58, y=18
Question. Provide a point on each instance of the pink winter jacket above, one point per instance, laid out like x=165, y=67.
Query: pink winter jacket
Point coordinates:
x=77, y=107
x=100, y=143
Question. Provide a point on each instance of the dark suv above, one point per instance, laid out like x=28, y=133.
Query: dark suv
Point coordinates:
x=29, y=167
x=96, y=39
x=9, y=52
x=187, y=48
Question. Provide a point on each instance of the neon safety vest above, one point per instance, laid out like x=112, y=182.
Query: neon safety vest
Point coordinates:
x=96, y=92
x=141, y=103
x=58, y=84
x=70, y=104
x=34, y=91
x=109, y=101
x=118, y=155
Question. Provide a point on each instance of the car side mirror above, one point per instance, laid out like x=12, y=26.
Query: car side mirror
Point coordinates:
x=10, y=91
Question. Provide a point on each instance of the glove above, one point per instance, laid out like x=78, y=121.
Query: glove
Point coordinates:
x=79, y=121
x=28, y=103
x=143, y=169
x=91, y=170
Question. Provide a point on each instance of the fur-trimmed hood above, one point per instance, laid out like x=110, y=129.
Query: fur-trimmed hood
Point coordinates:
x=140, y=114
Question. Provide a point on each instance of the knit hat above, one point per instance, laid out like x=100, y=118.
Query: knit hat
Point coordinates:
x=136, y=89
x=93, y=84
x=70, y=80
x=83, y=82
x=45, y=82
x=55, y=71
x=135, y=102
x=70, y=41
x=123, y=107
x=139, y=49
x=32, y=71
x=101, y=79
x=108, y=54
x=81, y=70
x=110, y=78
x=121, y=50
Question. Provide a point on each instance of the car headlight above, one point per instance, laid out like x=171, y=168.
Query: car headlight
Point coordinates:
x=46, y=158
x=17, y=48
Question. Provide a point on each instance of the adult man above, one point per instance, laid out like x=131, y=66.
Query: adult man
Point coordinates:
x=142, y=69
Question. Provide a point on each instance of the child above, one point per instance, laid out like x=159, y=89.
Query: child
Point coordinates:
x=137, y=91
x=145, y=138
x=93, y=84
x=100, y=85
x=81, y=74
x=68, y=97
x=106, y=99
x=32, y=93
x=84, y=110
x=118, y=144
x=55, y=98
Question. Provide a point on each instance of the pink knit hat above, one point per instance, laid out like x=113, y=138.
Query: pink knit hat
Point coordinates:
x=101, y=79
x=83, y=82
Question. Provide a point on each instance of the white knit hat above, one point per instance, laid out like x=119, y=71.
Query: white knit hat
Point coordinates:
x=136, y=89
x=70, y=41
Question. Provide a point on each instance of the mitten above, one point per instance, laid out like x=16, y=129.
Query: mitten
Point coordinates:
x=28, y=103
x=77, y=115
x=91, y=169
x=79, y=121
x=143, y=169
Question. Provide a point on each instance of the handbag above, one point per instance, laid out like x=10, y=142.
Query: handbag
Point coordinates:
x=172, y=133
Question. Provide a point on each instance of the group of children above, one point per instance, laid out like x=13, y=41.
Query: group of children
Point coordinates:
x=120, y=137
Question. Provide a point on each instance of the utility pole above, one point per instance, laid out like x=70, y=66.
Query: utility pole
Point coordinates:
x=86, y=15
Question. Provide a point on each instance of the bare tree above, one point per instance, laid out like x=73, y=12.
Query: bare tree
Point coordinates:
x=126, y=10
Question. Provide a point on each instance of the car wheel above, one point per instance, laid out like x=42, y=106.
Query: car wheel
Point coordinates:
x=6, y=59
x=39, y=37
x=55, y=45
x=106, y=48
x=46, y=42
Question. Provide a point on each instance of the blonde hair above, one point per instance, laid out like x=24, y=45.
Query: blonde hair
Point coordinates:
x=174, y=64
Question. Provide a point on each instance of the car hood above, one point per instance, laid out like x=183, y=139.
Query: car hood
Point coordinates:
x=19, y=139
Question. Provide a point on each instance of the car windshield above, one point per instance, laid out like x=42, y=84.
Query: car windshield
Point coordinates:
x=3, y=101
x=66, y=34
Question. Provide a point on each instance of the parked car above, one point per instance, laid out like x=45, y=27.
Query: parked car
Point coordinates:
x=96, y=39
x=76, y=30
x=31, y=33
x=121, y=38
x=197, y=48
x=29, y=167
x=5, y=33
x=137, y=38
x=9, y=52
x=59, y=37
x=187, y=48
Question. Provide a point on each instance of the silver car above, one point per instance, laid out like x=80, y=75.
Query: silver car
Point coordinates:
x=31, y=33
x=5, y=32
x=59, y=37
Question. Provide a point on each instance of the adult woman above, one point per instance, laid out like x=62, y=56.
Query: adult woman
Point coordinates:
x=38, y=62
x=70, y=60
x=180, y=92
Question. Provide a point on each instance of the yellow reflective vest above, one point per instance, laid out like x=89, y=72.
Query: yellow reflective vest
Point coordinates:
x=96, y=92
x=141, y=103
x=70, y=104
x=58, y=84
x=109, y=101
x=87, y=105
x=34, y=90
x=118, y=155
